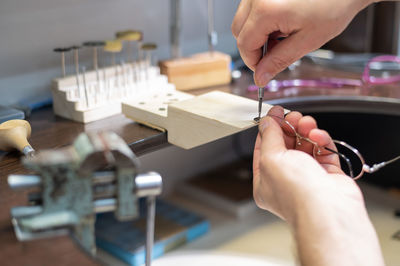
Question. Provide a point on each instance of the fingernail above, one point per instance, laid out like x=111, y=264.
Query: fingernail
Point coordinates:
x=263, y=124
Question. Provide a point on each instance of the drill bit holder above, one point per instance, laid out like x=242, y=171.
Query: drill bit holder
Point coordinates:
x=98, y=173
x=101, y=98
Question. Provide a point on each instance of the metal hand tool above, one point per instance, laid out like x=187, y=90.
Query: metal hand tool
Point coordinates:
x=131, y=36
x=14, y=134
x=94, y=45
x=97, y=173
x=76, y=48
x=85, y=87
x=113, y=47
x=62, y=51
x=148, y=48
x=261, y=90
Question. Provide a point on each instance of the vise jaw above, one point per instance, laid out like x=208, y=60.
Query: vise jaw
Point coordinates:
x=98, y=173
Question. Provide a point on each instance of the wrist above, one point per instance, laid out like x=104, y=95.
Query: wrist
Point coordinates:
x=339, y=230
x=327, y=206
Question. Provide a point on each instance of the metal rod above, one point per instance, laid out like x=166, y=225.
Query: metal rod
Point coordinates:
x=76, y=62
x=105, y=205
x=113, y=59
x=85, y=87
x=21, y=211
x=212, y=34
x=62, y=51
x=261, y=89
x=148, y=184
x=24, y=181
x=130, y=51
x=95, y=61
x=150, y=221
x=175, y=28
x=63, y=63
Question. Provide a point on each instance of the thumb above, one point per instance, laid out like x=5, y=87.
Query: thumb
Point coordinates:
x=271, y=133
x=277, y=59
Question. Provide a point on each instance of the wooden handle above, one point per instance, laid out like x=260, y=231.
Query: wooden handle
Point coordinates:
x=14, y=134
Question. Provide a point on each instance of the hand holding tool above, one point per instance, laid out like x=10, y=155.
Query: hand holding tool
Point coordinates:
x=261, y=89
x=14, y=135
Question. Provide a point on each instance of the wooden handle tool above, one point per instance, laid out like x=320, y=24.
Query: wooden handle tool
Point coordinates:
x=14, y=134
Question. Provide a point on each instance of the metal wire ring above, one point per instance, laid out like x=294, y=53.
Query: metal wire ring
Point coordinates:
x=356, y=152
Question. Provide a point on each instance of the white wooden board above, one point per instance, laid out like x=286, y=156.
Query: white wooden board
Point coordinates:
x=195, y=120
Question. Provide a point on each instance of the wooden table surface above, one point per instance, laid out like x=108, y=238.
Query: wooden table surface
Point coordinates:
x=49, y=131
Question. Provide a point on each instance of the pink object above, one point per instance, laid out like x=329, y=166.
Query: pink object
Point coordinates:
x=275, y=85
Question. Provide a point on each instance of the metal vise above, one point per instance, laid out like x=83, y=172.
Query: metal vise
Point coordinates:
x=98, y=173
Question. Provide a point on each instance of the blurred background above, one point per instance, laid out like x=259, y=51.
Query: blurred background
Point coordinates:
x=29, y=30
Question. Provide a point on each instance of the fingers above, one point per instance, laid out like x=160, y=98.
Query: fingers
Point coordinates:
x=276, y=111
x=304, y=127
x=277, y=59
x=293, y=119
x=256, y=158
x=272, y=141
x=322, y=138
x=283, y=137
x=250, y=42
x=241, y=16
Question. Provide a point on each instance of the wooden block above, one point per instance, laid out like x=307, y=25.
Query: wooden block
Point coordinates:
x=198, y=71
x=67, y=109
x=192, y=121
x=103, y=99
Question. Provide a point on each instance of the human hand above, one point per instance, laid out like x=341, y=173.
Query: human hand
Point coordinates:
x=307, y=25
x=288, y=179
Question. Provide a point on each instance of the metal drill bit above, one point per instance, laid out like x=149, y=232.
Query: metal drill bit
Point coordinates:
x=62, y=50
x=76, y=62
x=124, y=86
x=148, y=48
x=260, y=101
x=113, y=47
x=131, y=36
x=261, y=89
x=150, y=221
x=94, y=45
x=85, y=87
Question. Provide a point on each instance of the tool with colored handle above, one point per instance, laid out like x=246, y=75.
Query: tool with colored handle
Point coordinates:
x=14, y=135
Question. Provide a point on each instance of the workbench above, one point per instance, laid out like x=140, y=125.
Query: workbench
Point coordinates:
x=51, y=132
